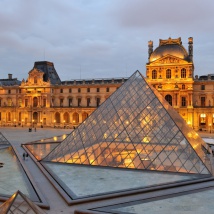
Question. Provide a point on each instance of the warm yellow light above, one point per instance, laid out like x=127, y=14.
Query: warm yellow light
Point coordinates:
x=210, y=124
x=54, y=121
x=55, y=138
x=74, y=121
x=41, y=120
x=146, y=140
x=22, y=120
x=127, y=122
x=105, y=136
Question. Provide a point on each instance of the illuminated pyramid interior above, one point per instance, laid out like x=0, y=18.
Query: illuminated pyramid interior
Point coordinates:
x=19, y=203
x=135, y=128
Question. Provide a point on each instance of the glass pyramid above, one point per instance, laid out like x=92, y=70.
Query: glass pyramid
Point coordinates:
x=135, y=128
x=3, y=141
x=19, y=203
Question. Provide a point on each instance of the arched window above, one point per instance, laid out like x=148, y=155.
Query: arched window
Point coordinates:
x=75, y=118
x=154, y=74
x=168, y=98
x=66, y=117
x=35, y=102
x=35, y=117
x=57, y=117
x=183, y=73
x=168, y=74
x=84, y=116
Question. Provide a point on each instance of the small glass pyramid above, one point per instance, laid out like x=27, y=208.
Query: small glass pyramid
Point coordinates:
x=3, y=141
x=135, y=128
x=19, y=203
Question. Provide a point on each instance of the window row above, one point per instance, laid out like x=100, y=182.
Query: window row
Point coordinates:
x=168, y=73
x=79, y=90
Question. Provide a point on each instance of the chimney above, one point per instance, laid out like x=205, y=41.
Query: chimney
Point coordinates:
x=190, y=48
x=10, y=76
x=150, y=46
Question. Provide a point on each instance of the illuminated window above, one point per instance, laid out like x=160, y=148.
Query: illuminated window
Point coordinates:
x=66, y=117
x=168, y=74
x=183, y=73
x=203, y=119
x=168, y=98
x=75, y=118
x=154, y=74
x=203, y=100
x=57, y=117
x=84, y=116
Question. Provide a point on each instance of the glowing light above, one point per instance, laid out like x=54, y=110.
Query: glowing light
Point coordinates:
x=146, y=139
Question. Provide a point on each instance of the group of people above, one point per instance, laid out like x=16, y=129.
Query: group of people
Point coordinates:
x=25, y=156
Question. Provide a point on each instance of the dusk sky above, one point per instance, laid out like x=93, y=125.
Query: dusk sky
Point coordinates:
x=100, y=38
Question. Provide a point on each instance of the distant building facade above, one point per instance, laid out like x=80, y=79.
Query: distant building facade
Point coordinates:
x=44, y=100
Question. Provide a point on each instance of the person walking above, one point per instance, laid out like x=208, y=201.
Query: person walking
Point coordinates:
x=23, y=156
x=26, y=156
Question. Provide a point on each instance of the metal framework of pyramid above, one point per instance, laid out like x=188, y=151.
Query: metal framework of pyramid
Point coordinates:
x=135, y=128
x=19, y=203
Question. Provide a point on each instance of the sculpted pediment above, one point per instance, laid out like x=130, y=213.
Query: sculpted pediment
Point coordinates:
x=169, y=59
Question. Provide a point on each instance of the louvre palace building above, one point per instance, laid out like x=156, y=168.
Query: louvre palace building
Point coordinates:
x=43, y=99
